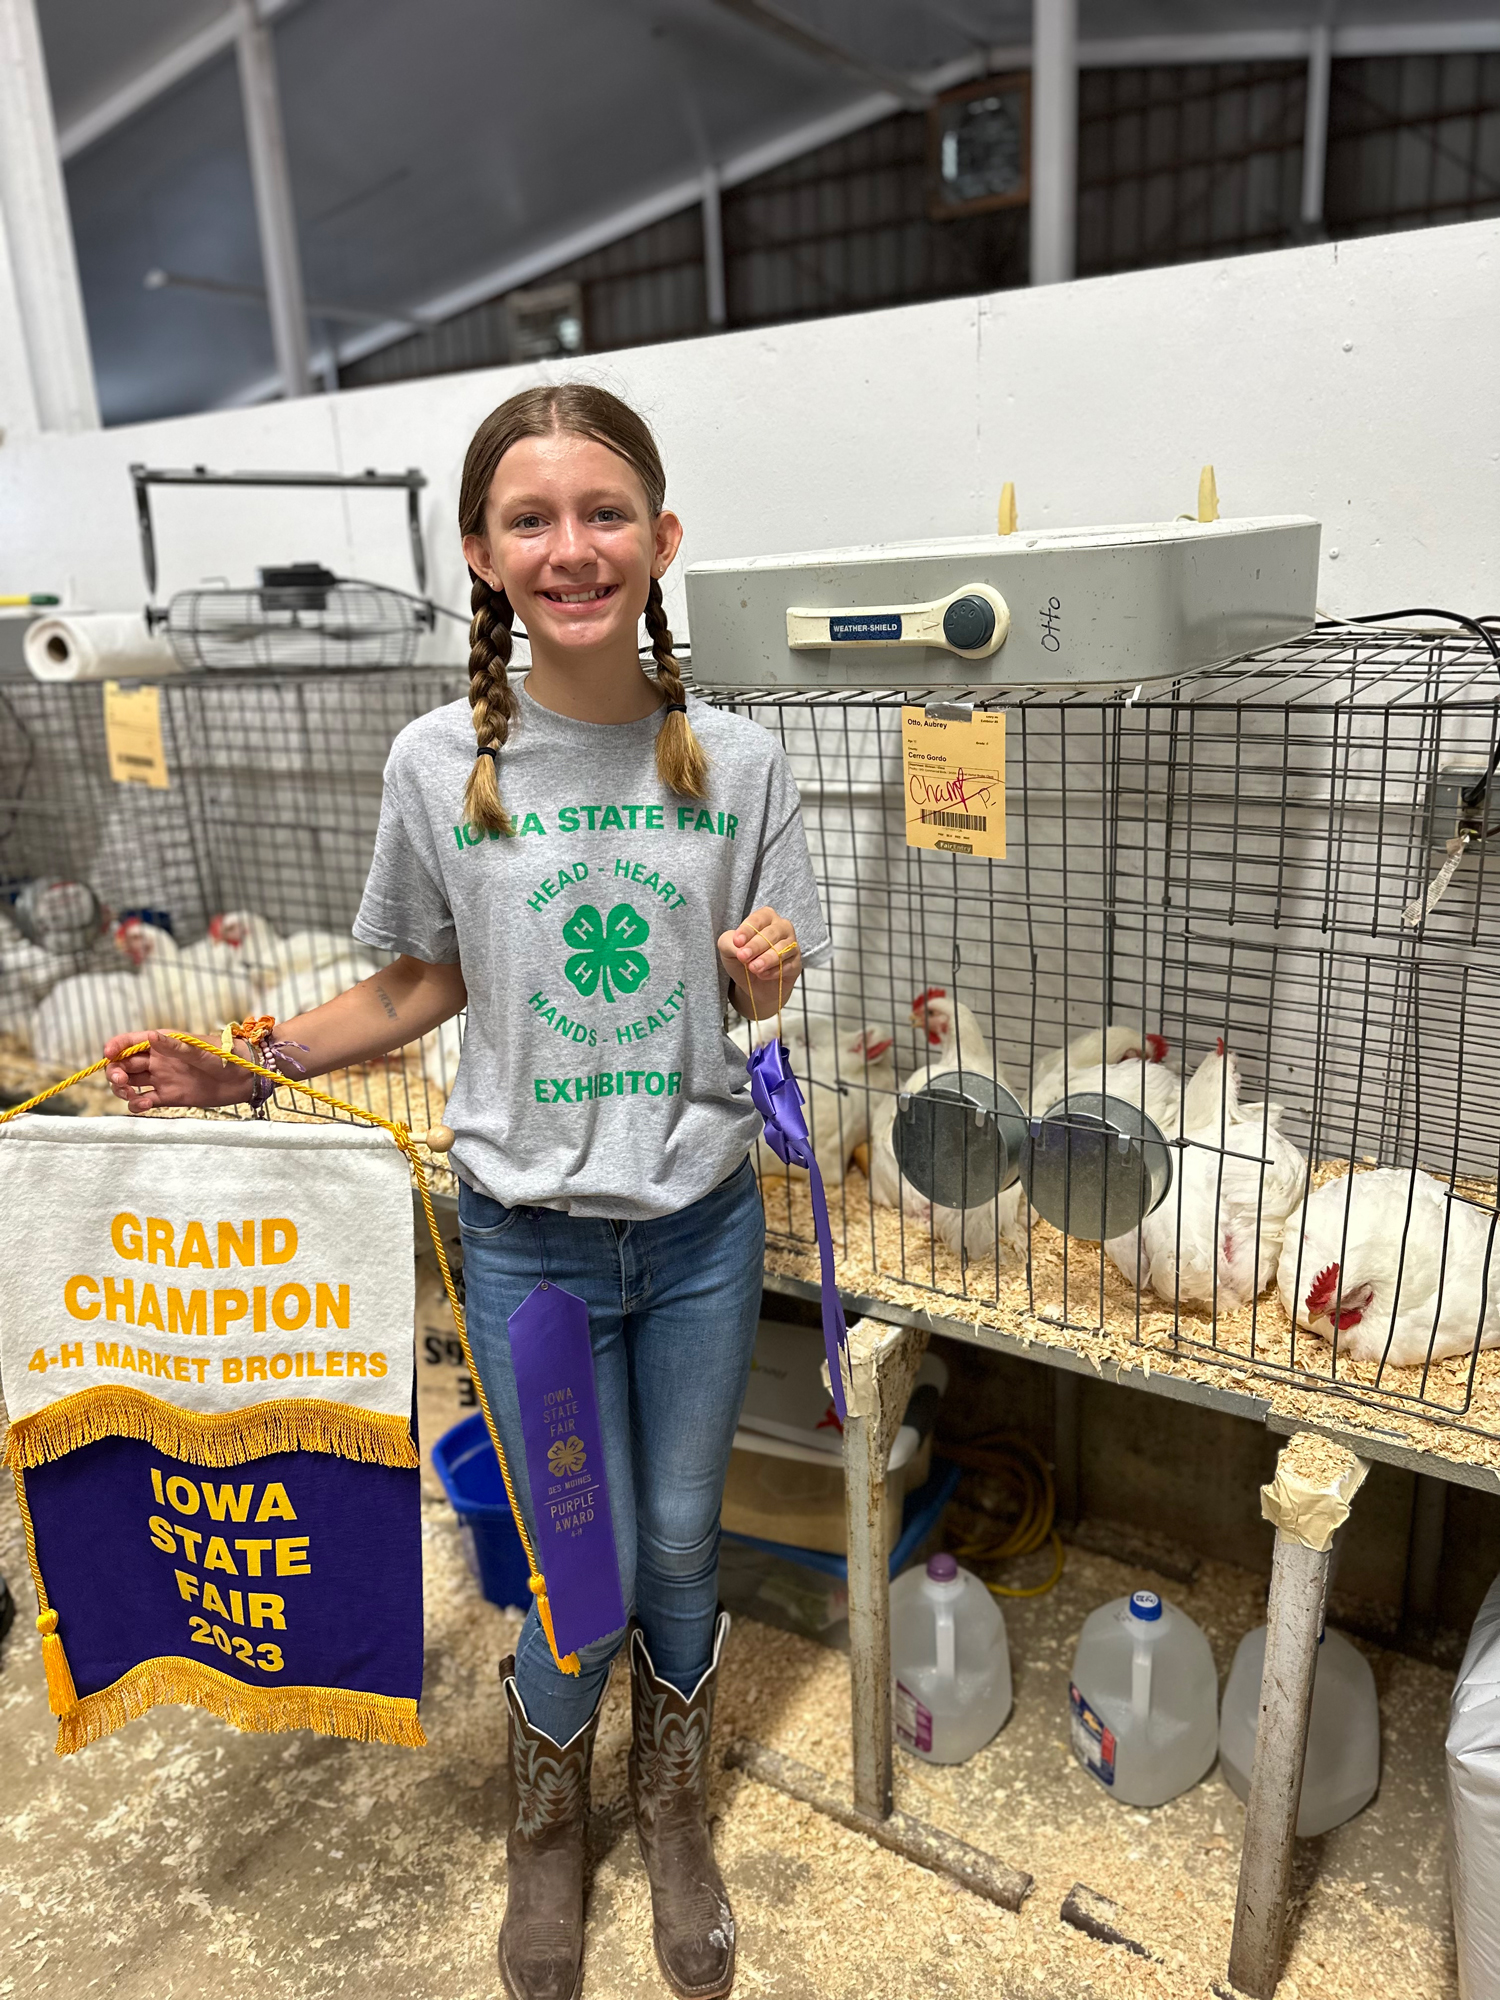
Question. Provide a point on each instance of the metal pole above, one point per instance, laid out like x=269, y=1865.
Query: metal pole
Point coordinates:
x=46, y=370
x=1315, y=128
x=275, y=216
x=713, y=251
x=1054, y=140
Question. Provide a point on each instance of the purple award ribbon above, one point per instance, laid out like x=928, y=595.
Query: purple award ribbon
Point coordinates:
x=553, y=1362
x=777, y=1097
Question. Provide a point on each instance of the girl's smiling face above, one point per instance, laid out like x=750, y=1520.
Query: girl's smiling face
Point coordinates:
x=570, y=538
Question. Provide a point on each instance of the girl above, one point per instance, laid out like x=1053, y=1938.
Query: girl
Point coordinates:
x=593, y=865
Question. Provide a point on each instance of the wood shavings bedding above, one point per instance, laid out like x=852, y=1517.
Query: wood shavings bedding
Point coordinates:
x=1365, y=1927
x=1076, y=1299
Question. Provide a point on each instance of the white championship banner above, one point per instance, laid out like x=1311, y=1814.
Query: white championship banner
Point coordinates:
x=222, y=1287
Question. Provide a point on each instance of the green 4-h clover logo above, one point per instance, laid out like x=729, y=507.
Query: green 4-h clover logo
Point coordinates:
x=605, y=951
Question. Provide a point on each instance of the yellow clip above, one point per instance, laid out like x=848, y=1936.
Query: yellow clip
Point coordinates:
x=1208, y=495
x=1008, y=508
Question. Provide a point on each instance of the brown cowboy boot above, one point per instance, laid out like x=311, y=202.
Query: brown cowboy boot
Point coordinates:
x=691, y=1917
x=541, y=1938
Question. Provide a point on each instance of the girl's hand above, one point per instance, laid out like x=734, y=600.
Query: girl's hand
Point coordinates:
x=172, y=1073
x=763, y=960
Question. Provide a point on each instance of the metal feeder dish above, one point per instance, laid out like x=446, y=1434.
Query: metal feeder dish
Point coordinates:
x=1095, y=1166
x=959, y=1139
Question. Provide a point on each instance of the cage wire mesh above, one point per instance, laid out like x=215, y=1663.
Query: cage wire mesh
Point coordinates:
x=1222, y=862
x=229, y=892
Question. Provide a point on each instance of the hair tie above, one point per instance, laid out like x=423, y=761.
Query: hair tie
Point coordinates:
x=674, y=708
x=485, y=750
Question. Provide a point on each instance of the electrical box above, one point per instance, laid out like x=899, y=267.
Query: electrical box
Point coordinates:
x=1105, y=607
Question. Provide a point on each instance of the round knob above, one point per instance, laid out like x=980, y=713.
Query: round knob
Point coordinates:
x=969, y=622
x=439, y=1139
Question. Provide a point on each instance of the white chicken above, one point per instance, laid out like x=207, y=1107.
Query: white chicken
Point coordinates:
x=1216, y=1238
x=1057, y=1073
x=297, y=992
x=844, y=1069
x=28, y=970
x=1150, y=1084
x=304, y=954
x=75, y=1020
x=191, y=988
x=1391, y=1266
x=956, y=1044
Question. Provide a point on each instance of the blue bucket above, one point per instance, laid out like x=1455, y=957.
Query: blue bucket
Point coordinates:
x=464, y=1460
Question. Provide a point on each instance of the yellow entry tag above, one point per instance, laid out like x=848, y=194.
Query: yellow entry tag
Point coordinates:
x=955, y=781
x=132, y=731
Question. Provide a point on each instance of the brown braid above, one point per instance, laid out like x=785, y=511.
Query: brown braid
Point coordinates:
x=680, y=762
x=492, y=702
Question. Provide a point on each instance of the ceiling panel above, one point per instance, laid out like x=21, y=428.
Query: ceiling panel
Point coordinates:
x=172, y=189
x=92, y=46
x=432, y=144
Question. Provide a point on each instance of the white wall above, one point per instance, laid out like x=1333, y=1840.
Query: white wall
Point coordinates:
x=1354, y=381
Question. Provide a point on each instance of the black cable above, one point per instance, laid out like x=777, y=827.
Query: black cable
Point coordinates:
x=1479, y=627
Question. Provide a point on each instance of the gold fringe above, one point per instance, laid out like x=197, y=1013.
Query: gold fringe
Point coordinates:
x=231, y=1438
x=366, y=1718
x=61, y=1694
x=567, y=1663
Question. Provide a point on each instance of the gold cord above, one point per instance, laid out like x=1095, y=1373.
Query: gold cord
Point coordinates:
x=569, y=1663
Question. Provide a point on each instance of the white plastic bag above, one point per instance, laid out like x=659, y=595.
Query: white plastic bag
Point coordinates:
x=1474, y=1805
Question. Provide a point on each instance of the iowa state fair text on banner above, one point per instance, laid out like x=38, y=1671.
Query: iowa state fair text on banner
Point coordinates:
x=206, y=1351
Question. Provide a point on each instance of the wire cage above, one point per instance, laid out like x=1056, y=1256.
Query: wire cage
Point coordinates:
x=1221, y=883
x=227, y=892
x=1227, y=876
x=296, y=624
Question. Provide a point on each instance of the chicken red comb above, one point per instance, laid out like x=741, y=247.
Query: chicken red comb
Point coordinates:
x=931, y=993
x=1156, y=1048
x=1219, y=1046
x=1323, y=1290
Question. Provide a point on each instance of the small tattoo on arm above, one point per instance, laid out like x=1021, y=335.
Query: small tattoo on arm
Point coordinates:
x=387, y=1002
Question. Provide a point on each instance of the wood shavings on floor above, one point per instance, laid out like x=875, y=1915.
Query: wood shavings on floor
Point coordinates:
x=1371, y=1903
x=1060, y=1291
x=180, y=1857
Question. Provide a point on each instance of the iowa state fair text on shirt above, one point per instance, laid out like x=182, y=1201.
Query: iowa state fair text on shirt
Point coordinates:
x=600, y=819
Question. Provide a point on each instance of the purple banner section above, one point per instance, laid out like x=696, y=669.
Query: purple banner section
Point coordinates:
x=553, y=1363
x=297, y=1570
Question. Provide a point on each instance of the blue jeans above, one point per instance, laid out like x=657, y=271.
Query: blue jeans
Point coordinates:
x=673, y=1305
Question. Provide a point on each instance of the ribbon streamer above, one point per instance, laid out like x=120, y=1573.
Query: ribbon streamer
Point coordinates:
x=775, y=1092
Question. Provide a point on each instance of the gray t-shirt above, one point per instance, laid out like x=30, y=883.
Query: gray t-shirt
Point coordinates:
x=596, y=1076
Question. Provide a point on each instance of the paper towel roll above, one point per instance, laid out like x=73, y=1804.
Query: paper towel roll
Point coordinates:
x=97, y=646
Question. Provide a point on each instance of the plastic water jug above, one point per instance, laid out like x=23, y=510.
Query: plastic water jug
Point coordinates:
x=950, y=1662
x=1342, y=1769
x=1144, y=1699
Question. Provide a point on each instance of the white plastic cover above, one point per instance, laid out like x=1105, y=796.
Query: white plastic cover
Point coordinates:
x=1474, y=1805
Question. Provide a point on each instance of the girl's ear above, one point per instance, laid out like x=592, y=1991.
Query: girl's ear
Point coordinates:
x=668, y=542
x=477, y=556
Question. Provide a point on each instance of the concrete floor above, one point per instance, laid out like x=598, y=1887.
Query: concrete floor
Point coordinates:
x=178, y=1859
